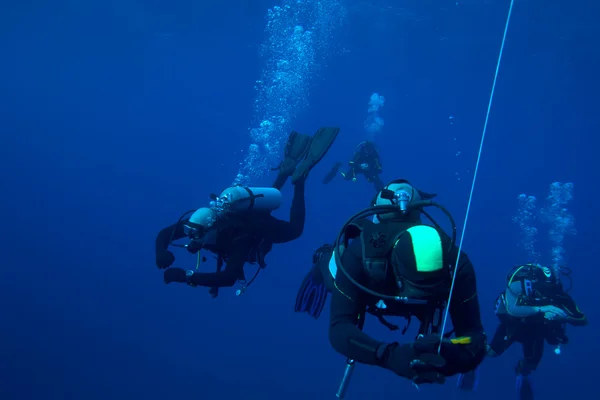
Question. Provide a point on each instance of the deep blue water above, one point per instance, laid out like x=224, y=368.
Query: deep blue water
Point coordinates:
x=115, y=117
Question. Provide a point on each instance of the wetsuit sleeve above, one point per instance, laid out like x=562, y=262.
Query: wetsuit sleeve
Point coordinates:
x=466, y=319
x=347, y=308
x=278, y=231
x=575, y=316
x=163, y=239
x=464, y=308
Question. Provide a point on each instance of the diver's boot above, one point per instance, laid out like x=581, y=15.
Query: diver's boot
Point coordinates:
x=319, y=146
x=295, y=150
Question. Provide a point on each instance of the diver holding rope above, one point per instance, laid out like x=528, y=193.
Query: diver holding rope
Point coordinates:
x=394, y=265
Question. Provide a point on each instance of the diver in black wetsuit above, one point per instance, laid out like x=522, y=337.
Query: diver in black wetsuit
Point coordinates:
x=365, y=161
x=533, y=309
x=318, y=283
x=397, y=266
x=240, y=228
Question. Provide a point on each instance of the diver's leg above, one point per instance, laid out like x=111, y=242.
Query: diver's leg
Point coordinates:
x=533, y=350
x=298, y=208
x=377, y=183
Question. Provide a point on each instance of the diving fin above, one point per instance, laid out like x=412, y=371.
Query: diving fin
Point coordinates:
x=321, y=143
x=468, y=382
x=312, y=295
x=524, y=388
x=295, y=150
x=332, y=173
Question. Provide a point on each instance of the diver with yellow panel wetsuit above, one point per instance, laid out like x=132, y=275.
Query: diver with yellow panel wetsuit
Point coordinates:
x=533, y=309
x=395, y=265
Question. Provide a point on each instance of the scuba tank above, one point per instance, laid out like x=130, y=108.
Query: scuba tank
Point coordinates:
x=242, y=198
x=231, y=200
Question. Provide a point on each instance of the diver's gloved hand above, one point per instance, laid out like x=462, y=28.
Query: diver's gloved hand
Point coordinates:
x=164, y=259
x=177, y=275
x=461, y=355
x=407, y=361
x=553, y=313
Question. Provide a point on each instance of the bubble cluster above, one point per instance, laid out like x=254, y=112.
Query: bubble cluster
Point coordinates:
x=374, y=123
x=299, y=34
x=561, y=221
x=525, y=218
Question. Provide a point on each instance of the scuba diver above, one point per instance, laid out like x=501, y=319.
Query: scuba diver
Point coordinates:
x=533, y=308
x=318, y=283
x=394, y=265
x=365, y=161
x=238, y=227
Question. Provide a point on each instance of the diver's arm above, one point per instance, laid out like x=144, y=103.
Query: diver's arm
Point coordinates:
x=466, y=319
x=164, y=237
x=278, y=231
x=464, y=308
x=234, y=268
x=511, y=296
x=575, y=316
x=347, y=308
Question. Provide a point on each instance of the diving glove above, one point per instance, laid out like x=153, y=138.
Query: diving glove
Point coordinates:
x=164, y=259
x=461, y=355
x=418, y=366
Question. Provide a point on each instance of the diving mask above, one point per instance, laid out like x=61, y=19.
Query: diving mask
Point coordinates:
x=194, y=233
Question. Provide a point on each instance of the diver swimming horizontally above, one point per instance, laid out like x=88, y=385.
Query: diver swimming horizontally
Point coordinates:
x=533, y=309
x=394, y=265
x=239, y=228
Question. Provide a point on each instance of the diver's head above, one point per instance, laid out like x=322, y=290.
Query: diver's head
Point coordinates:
x=200, y=227
x=401, y=193
x=547, y=274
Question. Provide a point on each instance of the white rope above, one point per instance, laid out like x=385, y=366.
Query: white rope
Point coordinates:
x=485, y=125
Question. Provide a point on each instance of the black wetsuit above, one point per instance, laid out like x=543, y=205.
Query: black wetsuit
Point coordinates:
x=532, y=331
x=349, y=305
x=366, y=162
x=245, y=241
